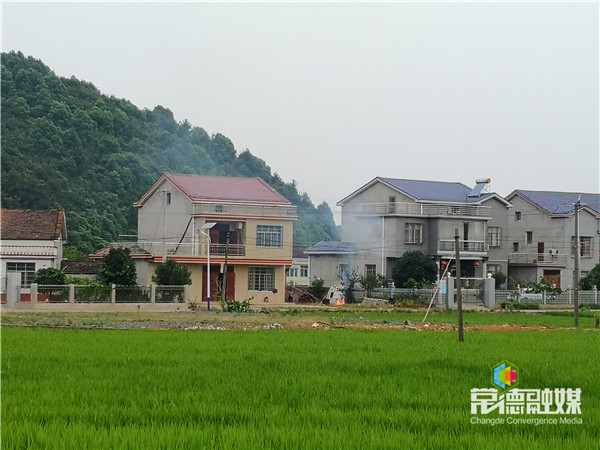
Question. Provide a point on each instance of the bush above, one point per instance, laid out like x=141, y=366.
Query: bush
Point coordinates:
x=512, y=306
x=50, y=276
x=233, y=306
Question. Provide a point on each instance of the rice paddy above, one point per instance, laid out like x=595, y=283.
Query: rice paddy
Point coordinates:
x=290, y=388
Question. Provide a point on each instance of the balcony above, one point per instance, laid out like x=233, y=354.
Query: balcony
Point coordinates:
x=421, y=209
x=243, y=211
x=538, y=259
x=448, y=245
x=154, y=248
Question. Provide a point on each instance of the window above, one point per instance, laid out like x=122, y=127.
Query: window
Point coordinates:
x=370, y=269
x=585, y=250
x=515, y=247
x=293, y=271
x=392, y=204
x=303, y=271
x=493, y=268
x=27, y=271
x=529, y=236
x=220, y=208
x=494, y=235
x=517, y=215
x=269, y=236
x=413, y=233
x=168, y=199
x=261, y=278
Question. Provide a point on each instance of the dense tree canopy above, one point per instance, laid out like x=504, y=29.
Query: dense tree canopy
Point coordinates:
x=65, y=145
x=172, y=273
x=414, y=265
x=117, y=268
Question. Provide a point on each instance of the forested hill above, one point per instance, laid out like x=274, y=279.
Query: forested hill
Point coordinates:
x=65, y=145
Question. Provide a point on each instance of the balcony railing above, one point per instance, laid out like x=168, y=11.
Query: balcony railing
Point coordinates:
x=229, y=209
x=538, y=259
x=154, y=248
x=421, y=209
x=448, y=245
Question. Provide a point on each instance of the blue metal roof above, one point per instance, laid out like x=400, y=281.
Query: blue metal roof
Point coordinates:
x=436, y=191
x=333, y=247
x=560, y=202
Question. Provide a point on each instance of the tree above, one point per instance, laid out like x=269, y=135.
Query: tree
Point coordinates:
x=117, y=268
x=172, y=273
x=50, y=276
x=500, y=278
x=591, y=279
x=369, y=282
x=416, y=265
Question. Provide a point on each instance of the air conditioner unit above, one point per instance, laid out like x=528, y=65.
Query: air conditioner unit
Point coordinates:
x=240, y=225
x=553, y=251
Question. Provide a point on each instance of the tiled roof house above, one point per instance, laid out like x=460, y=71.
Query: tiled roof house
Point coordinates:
x=31, y=240
x=249, y=223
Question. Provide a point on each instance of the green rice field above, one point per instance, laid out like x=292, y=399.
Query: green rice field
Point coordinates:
x=283, y=388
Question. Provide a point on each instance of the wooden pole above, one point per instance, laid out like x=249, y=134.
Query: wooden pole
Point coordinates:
x=461, y=336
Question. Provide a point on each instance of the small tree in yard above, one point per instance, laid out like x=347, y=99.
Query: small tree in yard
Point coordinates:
x=416, y=265
x=172, y=273
x=117, y=268
x=50, y=276
x=591, y=279
x=369, y=282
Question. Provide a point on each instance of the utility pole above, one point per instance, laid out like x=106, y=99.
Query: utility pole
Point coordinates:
x=577, y=260
x=225, y=268
x=461, y=337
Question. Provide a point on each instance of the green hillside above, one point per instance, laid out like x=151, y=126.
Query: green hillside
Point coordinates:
x=65, y=145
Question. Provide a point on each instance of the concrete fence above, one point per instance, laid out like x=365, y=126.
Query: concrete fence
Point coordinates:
x=20, y=296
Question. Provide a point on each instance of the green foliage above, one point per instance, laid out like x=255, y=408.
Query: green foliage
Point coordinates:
x=233, y=306
x=370, y=282
x=65, y=145
x=416, y=265
x=50, y=276
x=117, y=268
x=512, y=306
x=591, y=279
x=317, y=288
x=545, y=286
x=172, y=273
x=499, y=278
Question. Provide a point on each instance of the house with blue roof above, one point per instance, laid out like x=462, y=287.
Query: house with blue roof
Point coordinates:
x=387, y=217
x=542, y=236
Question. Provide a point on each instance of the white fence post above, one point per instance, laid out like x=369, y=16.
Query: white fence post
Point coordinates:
x=34, y=293
x=152, y=293
x=71, y=293
x=186, y=294
x=113, y=293
x=595, y=295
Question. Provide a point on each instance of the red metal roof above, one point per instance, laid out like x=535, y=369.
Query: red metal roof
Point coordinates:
x=222, y=189
x=27, y=224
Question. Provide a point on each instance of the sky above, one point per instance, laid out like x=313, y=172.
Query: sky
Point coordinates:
x=332, y=95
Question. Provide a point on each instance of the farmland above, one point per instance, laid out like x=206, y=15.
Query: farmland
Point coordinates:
x=291, y=386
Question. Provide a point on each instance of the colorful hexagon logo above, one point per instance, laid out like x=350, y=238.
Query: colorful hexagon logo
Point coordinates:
x=505, y=375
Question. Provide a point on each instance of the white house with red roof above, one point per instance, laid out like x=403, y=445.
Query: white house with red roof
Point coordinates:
x=249, y=223
x=31, y=240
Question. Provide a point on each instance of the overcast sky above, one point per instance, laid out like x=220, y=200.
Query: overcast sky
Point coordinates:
x=335, y=94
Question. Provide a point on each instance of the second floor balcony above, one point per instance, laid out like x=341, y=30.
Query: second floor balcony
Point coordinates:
x=420, y=209
x=157, y=248
x=465, y=246
x=538, y=259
